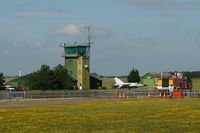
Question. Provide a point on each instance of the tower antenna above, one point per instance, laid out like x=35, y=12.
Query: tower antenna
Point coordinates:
x=89, y=36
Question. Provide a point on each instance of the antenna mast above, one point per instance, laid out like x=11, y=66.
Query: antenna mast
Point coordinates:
x=89, y=36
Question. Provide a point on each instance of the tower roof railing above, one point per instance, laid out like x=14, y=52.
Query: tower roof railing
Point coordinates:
x=76, y=44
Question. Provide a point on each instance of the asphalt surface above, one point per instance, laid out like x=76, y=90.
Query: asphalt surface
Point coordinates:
x=16, y=103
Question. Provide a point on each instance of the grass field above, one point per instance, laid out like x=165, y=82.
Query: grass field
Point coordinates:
x=162, y=115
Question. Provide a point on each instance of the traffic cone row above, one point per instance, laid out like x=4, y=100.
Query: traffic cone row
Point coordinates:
x=122, y=95
x=119, y=95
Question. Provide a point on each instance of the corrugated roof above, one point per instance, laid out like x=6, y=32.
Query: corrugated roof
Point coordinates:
x=22, y=78
x=154, y=74
x=25, y=77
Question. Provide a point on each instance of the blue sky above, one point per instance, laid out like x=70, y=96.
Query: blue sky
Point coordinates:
x=150, y=35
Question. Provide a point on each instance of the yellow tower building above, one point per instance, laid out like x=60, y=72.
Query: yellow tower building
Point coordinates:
x=77, y=62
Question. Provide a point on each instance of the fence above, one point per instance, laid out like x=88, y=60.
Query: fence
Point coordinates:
x=11, y=95
x=89, y=94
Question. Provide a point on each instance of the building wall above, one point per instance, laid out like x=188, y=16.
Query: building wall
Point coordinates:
x=148, y=80
x=71, y=66
x=19, y=83
x=95, y=83
x=8, y=79
x=83, y=72
x=107, y=82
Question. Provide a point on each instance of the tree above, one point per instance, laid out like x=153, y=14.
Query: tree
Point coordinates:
x=2, y=81
x=45, y=79
x=133, y=76
x=62, y=79
x=193, y=74
x=41, y=79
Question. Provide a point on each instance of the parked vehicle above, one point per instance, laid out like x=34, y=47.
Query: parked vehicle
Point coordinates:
x=8, y=88
x=20, y=88
x=175, y=83
x=2, y=88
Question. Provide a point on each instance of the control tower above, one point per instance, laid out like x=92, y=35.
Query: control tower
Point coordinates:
x=77, y=62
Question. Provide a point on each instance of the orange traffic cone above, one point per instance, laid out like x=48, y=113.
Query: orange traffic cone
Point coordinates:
x=119, y=95
x=149, y=94
x=123, y=95
x=164, y=96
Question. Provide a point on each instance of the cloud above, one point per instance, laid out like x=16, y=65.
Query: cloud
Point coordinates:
x=193, y=36
x=144, y=42
x=103, y=33
x=6, y=52
x=71, y=30
x=197, y=40
x=14, y=48
x=34, y=44
x=28, y=44
x=165, y=5
x=79, y=30
x=40, y=14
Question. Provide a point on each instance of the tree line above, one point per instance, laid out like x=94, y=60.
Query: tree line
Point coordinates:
x=2, y=81
x=193, y=74
x=47, y=79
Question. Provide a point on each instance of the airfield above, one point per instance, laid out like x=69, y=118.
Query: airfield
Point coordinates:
x=114, y=110
x=100, y=115
x=18, y=103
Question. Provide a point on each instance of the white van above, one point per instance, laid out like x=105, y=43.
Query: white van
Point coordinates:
x=9, y=88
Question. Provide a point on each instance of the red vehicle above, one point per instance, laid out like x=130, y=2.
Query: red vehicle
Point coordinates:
x=20, y=88
x=178, y=84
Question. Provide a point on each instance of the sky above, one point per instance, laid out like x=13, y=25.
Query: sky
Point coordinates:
x=148, y=35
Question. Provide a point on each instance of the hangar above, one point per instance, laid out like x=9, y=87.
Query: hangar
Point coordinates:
x=150, y=79
x=20, y=81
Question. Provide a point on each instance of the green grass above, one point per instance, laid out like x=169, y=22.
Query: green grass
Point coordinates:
x=164, y=115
